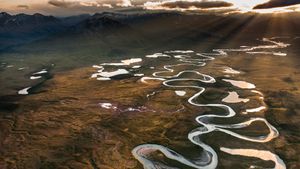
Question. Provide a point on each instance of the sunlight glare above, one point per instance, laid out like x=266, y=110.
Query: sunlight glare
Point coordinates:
x=246, y=5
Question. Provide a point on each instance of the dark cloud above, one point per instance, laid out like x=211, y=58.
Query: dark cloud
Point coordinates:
x=62, y=3
x=196, y=4
x=23, y=6
x=277, y=3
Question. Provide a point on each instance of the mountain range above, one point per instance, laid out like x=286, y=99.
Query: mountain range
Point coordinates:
x=22, y=28
x=146, y=29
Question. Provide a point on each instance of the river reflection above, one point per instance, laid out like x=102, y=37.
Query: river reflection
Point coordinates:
x=169, y=75
x=169, y=109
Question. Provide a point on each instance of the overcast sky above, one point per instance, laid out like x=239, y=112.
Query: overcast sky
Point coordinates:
x=72, y=7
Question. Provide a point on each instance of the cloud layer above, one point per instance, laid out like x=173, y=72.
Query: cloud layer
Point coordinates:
x=195, y=4
x=200, y=5
x=277, y=3
x=73, y=7
x=62, y=3
x=91, y=3
x=23, y=6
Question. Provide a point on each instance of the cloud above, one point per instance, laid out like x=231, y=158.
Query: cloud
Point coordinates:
x=107, y=5
x=277, y=3
x=196, y=4
x=61, y=3
x=91, y=3
x=23, y=6
x=188, y=5
x=124, y=3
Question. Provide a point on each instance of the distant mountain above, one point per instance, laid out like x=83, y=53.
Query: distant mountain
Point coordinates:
x=118, y=31
x=101, y=32
x=105, y=29
x=73, y=20
x=99, y=22
x=15, y=21
x=4, y=17
x=22, y=28
x=108, y=32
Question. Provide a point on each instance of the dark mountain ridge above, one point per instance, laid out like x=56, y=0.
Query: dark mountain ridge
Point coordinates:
x=150, y=30
x=11, y=21
x=22, y=28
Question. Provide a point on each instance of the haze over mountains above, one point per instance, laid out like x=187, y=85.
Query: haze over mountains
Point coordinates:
x=107, y=30
x=22, y=28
